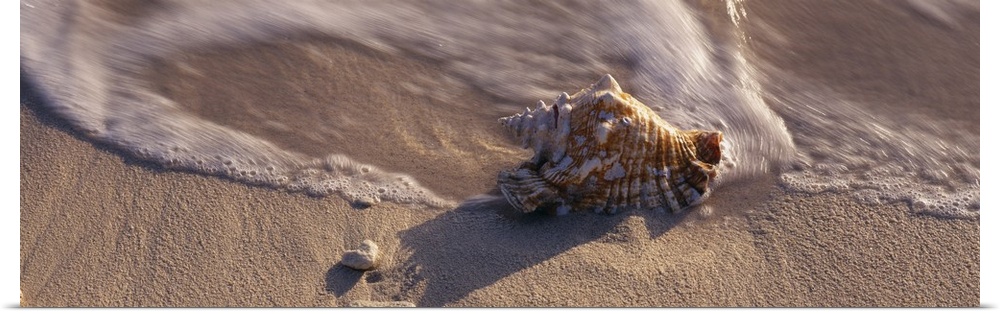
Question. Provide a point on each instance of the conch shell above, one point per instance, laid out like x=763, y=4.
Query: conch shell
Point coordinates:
x=605, y=151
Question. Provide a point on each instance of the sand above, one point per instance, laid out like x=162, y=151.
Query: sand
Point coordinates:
x=100, y=228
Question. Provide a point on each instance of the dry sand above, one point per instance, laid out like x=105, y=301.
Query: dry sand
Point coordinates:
x=99, y=229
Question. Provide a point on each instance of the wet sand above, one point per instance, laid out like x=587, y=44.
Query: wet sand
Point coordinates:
x=99, y=229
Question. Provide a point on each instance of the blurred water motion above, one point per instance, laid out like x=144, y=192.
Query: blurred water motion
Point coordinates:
x=878, y=99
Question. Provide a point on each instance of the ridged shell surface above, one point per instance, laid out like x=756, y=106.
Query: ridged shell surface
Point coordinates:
x=602, y=150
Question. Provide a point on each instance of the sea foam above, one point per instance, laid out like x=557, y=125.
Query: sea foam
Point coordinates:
x=88, y=60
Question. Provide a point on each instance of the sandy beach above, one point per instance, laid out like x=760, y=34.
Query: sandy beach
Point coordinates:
x=98, y=229
x=102, y=228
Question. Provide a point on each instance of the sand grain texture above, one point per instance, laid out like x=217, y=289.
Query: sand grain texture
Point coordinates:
x=100, y=228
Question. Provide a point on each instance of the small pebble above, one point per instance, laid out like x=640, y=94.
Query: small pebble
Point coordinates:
x=364, y=258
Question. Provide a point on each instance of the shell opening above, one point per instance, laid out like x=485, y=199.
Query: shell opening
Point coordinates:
x=707, y=144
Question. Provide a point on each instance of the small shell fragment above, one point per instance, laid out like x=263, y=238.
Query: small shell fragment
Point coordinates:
x=364, y=258
x=602, y=150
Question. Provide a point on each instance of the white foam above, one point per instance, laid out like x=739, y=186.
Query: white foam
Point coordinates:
x=928, y=165
x=695, y=83
x=89, y=68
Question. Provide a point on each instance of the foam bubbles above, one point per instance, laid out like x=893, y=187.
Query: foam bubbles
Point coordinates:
x=91, y=70
x=958, y=204
x=930, y=167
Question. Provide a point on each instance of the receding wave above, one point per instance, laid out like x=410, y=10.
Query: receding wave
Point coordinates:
x=147, y=79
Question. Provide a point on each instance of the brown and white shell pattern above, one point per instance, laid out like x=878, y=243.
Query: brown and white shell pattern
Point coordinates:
x=603, y=150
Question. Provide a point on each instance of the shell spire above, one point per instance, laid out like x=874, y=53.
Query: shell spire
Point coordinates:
x=602, y=150
x=527, y=124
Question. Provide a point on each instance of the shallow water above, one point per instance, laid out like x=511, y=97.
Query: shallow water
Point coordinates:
x=388, y=101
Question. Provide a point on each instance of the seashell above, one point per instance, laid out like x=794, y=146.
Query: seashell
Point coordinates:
x=364, y=258
x=602, y=150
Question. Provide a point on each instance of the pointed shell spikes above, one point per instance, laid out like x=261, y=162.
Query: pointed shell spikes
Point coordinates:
x=601, y=149
x=607, y=83
x=562, y=98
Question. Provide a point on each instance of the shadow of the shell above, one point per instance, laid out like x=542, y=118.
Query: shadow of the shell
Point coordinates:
x=485, y=240
x=340, y=279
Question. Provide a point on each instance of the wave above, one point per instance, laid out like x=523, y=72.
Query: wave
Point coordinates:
x=93, y=61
